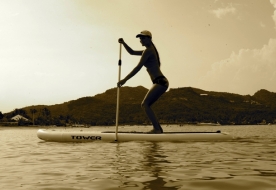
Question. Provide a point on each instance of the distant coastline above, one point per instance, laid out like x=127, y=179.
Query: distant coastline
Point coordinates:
x=179, y=106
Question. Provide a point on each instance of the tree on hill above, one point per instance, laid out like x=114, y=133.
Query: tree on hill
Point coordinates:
x=44, y=117
x=21, y=112
x=1, y=115
x=33, y=111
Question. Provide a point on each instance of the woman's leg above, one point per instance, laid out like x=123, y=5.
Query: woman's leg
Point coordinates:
x=153, y=94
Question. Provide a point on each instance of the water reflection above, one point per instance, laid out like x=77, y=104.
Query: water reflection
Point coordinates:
x=145, y=169
x=155, y=158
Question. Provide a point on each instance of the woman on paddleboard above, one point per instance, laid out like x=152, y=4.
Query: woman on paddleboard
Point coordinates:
x=150, y=59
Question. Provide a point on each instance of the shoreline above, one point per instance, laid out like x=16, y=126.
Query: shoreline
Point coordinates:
x=164, y=125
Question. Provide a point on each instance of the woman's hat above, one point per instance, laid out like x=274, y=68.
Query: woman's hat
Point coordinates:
x=144, y=33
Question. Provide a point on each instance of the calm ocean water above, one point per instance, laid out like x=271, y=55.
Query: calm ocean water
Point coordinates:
x=248, y=162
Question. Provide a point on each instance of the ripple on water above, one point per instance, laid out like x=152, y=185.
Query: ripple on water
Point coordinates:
x=246, y=163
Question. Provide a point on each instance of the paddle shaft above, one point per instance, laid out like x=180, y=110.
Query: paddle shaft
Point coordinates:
x=118, y=93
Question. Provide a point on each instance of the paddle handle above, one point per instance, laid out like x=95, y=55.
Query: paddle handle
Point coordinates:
x=118, y=94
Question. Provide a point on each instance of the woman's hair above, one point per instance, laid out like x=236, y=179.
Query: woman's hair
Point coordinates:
x=157, y=54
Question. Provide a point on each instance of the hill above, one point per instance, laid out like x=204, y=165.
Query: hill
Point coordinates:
x=179, y=105
x=265, y=97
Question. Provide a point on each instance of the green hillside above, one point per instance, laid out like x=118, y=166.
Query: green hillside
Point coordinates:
x=176, y=106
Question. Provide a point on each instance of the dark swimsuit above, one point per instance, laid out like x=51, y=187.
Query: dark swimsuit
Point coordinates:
x=163, y=81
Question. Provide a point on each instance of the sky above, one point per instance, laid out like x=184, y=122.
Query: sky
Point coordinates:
x=54, y=51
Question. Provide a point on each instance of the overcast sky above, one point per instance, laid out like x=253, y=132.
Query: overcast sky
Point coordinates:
x=53, y=51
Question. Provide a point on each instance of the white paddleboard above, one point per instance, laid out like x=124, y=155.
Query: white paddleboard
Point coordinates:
x=55, y=135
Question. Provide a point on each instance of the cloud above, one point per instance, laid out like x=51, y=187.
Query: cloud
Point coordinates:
x=262, y=25
x=273, y=2
x=221, y=12
x=244, y=72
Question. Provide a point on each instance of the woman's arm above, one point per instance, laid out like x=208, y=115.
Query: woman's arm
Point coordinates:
x=129, y=50
x=145, y=56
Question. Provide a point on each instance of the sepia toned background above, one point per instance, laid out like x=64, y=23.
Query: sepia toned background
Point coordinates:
x=55, y=51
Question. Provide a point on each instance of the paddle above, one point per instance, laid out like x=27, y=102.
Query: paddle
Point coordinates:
x=118, y=94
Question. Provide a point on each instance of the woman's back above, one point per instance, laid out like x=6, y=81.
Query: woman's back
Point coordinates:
x=152, y=64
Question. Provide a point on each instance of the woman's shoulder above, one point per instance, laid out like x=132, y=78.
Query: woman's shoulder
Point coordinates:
x=149, y=50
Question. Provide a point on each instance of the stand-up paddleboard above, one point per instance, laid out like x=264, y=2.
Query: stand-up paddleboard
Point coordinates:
x=118, y=136
x=93, y=136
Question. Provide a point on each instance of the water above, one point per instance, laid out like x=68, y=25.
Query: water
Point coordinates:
x=248, y=162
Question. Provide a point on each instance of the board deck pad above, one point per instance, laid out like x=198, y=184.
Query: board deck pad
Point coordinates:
x=138, y=132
